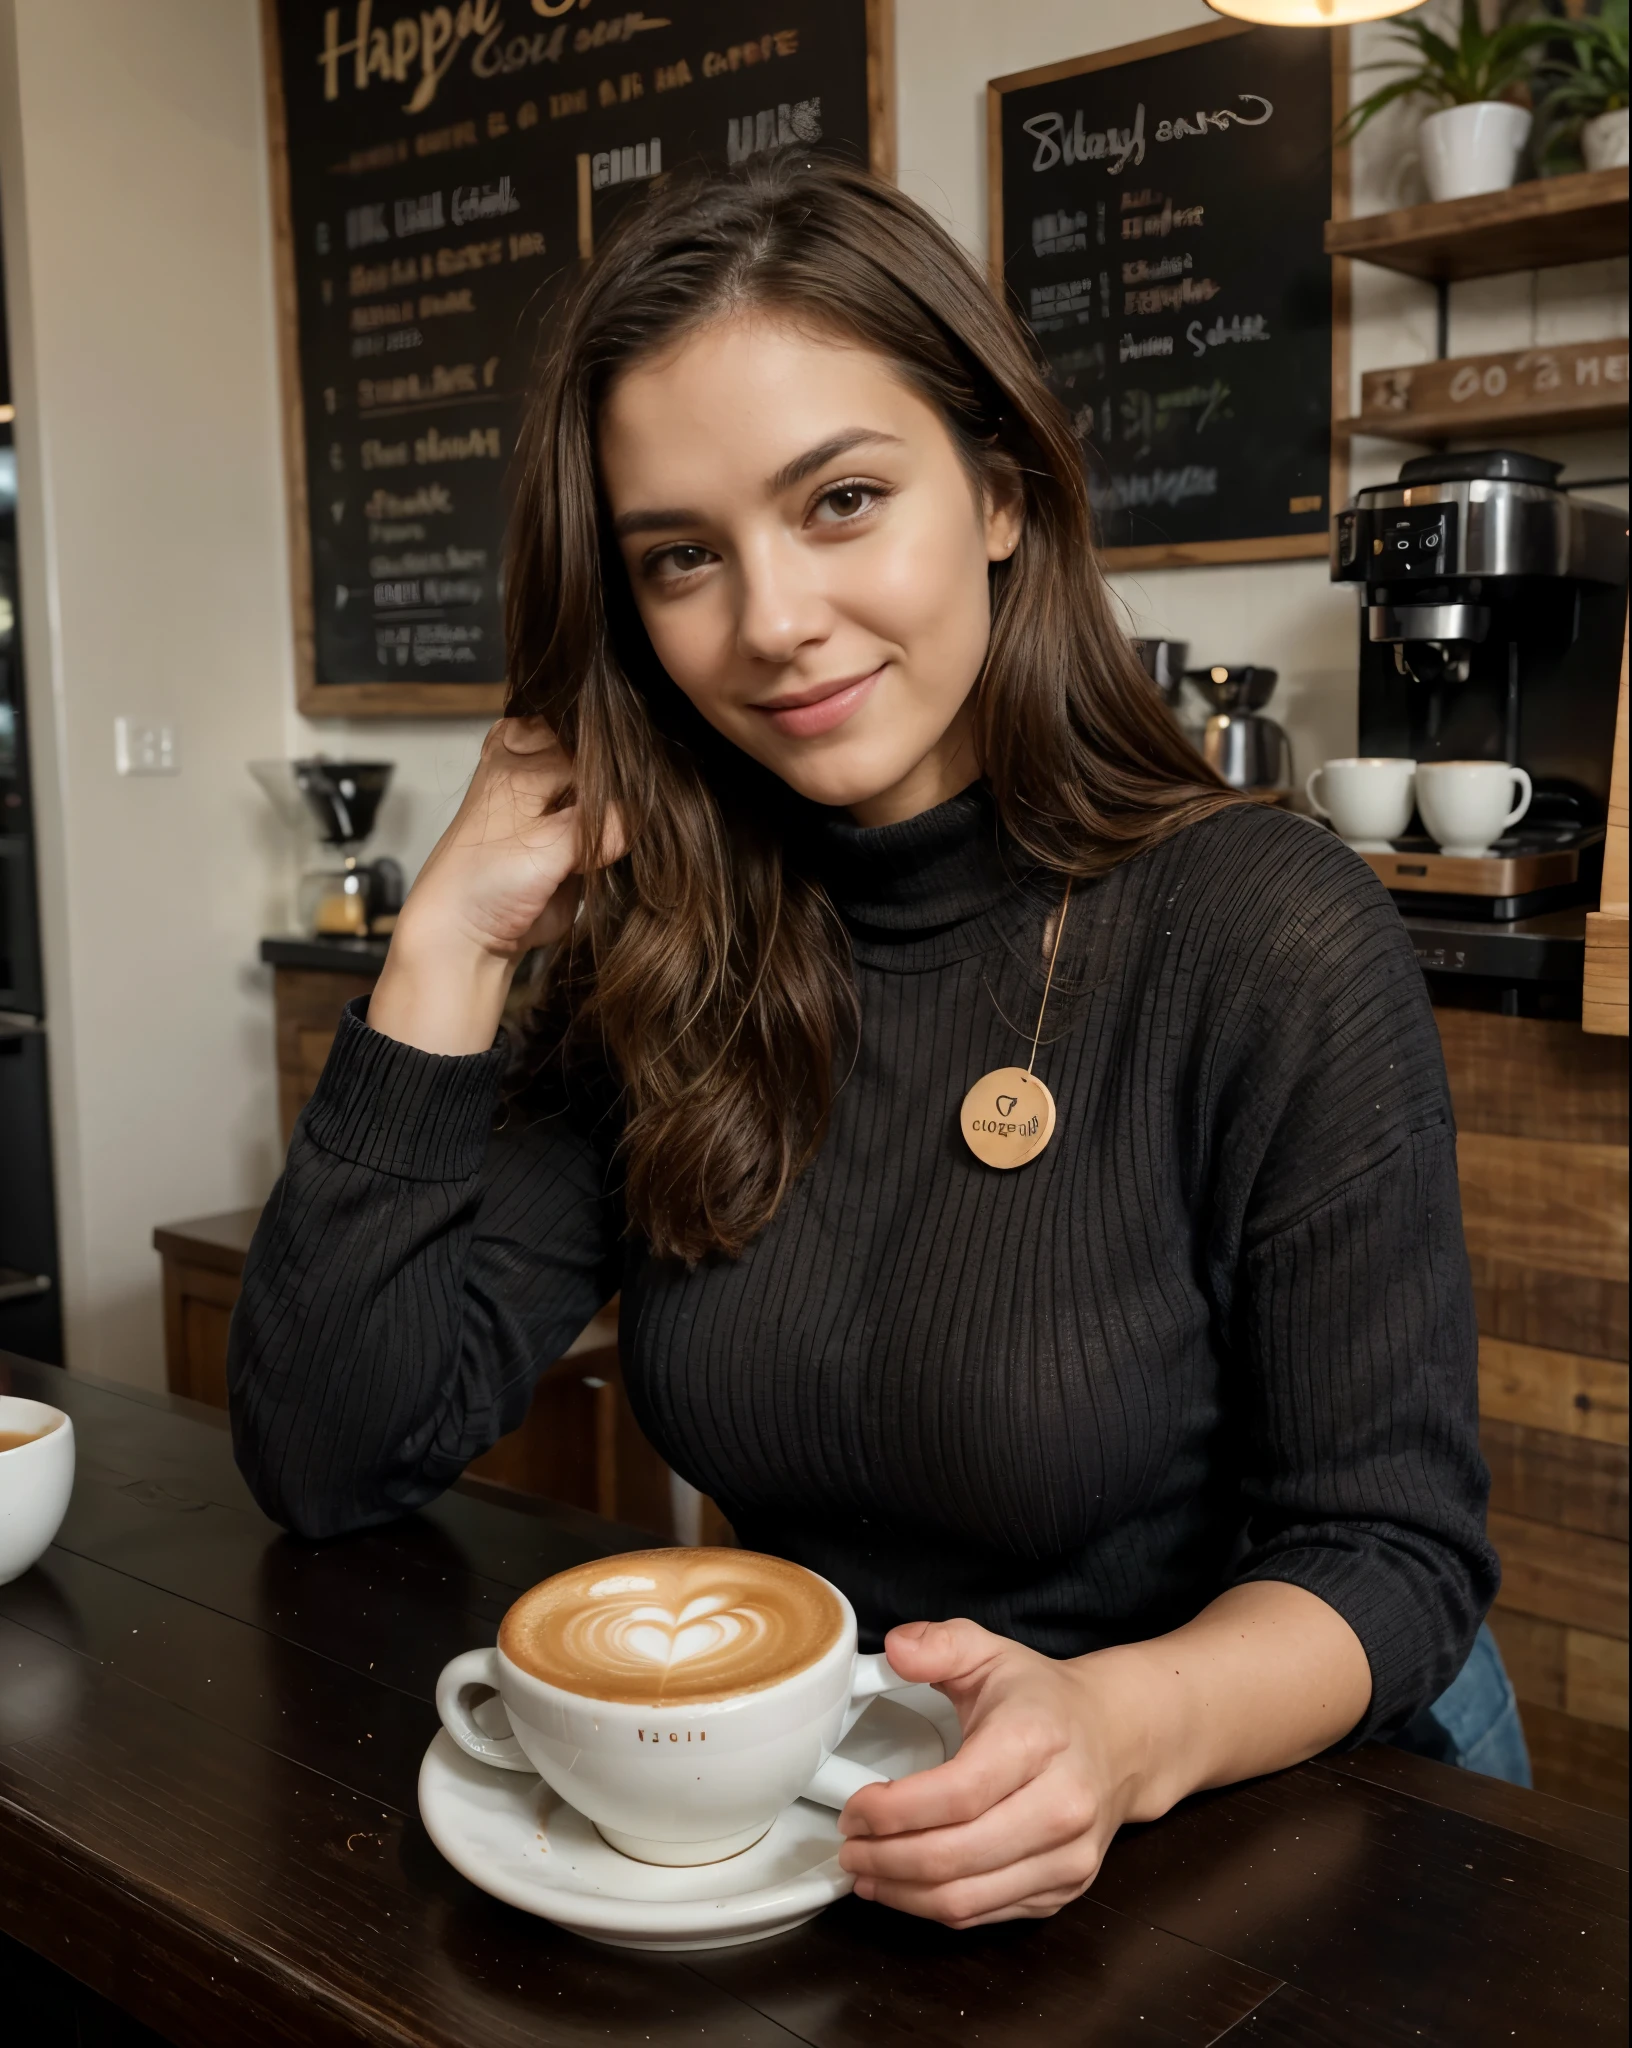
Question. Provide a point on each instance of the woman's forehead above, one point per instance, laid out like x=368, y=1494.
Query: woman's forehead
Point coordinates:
x=747, y=395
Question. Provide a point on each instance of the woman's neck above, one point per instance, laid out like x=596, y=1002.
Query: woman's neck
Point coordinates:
x=949, y=766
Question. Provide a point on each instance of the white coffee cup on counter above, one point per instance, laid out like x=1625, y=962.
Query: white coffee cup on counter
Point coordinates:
x=751, y=1676
x=1367, y=797
x=36, y=1479
x=1467, y=804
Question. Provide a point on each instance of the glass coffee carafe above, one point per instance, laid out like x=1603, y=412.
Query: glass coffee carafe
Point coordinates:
x=340, y=895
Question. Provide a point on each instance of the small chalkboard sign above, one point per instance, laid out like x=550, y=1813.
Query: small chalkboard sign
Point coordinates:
x=1158, y=216
x=437, y=173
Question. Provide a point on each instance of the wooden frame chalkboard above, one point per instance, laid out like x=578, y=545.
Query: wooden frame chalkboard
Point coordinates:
x=1150, y=369
x=436, y=173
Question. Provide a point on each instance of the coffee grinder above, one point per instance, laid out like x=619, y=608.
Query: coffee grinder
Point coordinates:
x=1493, y=608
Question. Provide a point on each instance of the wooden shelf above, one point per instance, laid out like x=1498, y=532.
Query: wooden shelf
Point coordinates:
x=1527, y=391
x=1535, y=226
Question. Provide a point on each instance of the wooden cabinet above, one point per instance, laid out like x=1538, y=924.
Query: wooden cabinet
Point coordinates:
x=306, y=1004
x=1541, y=1111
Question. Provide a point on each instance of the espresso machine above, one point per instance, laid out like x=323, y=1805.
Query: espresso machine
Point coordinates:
x=1491, y=622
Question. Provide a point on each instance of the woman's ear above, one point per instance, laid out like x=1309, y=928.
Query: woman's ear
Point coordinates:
x=1005, y=519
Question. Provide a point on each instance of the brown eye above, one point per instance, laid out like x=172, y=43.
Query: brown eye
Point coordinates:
x=848, y=501
x=678, y=561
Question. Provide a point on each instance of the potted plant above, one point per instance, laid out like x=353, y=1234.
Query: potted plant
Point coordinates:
x=1584, y=111
x=1478, y=82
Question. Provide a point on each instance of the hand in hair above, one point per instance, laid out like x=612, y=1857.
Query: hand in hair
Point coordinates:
x=504, y=877
x=1057, y=1755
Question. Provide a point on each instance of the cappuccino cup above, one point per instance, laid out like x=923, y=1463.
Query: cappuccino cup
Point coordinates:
x=1467, y=804
x=36, y=1478
x=1368, y=799
x=679, y=1699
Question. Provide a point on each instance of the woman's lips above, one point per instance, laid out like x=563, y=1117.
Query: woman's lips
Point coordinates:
x=803, y=714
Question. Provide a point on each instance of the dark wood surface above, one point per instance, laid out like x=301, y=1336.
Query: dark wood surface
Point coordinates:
x=209, y=1739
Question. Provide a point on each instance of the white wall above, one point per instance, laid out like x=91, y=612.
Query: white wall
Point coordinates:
x=153, y=559
x=132, y=172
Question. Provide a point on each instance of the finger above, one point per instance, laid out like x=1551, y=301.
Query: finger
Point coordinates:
x=1043, y=1815
x=1036, y=1886
x=940, y=1652
x=995, y=1761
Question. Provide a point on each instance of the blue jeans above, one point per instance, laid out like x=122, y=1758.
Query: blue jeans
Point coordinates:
x=1474, y=1724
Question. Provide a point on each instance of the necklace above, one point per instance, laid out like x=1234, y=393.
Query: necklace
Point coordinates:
x=1008, y=1116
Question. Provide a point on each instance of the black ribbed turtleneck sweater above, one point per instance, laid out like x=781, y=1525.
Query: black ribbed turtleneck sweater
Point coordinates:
x=1220, y=1330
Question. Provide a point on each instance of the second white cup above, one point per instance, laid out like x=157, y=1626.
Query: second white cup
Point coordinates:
x=1368, y=798
x=1467, y=804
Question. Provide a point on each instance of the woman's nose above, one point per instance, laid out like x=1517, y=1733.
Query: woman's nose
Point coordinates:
x=781, y=603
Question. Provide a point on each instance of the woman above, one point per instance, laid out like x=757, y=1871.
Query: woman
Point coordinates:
x=834, y=788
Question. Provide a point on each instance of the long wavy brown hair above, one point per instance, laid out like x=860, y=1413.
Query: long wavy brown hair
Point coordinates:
x=708, y=968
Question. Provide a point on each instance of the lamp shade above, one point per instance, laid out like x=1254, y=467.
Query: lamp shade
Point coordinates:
x=1310, y=13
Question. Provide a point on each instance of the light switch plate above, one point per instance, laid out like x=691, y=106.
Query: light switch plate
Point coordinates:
x=142, y=747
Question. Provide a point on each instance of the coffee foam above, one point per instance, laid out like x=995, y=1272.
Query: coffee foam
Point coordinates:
x=672, y=1627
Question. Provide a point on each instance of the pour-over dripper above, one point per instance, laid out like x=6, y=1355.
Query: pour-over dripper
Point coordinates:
x=343, y=796
x=1234, y=687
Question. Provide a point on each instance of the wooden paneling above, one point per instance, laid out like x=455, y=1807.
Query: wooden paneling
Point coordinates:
x=1530, y=1307
x=1553, y=1390
x=1560, y=1207
x=1595, y=1671
x=1576, y=1759
x=1545, y=1477
x=1529, y=1077
x=1561, y=1574
x=1546, y=1225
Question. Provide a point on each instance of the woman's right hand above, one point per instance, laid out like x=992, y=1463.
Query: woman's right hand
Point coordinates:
x=501, y=879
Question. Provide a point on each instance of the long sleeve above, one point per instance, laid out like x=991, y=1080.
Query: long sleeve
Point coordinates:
x=1352, y=1316
x=414, y=1271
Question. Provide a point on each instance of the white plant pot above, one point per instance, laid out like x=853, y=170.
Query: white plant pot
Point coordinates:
x=1603, y=141
x=1472, y=149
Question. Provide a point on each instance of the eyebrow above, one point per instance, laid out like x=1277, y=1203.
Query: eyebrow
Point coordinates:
x=663, y=519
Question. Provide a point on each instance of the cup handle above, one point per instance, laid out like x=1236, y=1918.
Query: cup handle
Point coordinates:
x=475, y=1667
x=1519, y=776
x=1315, y=803
x=838, y=1778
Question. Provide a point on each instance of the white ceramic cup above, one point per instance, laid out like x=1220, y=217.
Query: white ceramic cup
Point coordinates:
x=1467, y=804
x=1368, y=798
x=1473, y=148
x=679, y=1785
x=35, y=1481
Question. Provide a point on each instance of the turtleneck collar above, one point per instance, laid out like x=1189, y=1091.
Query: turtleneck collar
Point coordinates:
x=925, y=875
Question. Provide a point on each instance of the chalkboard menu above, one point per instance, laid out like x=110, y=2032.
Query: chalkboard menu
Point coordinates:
x=438, y=172
x=1157, y=214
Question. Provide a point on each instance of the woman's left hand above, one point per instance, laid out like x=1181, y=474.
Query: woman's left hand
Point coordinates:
x=1016, y=1824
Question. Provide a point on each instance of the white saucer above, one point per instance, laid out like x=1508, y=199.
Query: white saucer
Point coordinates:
x=511, y=1835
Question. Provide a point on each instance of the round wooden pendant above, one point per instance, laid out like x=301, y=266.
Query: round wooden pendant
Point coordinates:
x=1007, y=1117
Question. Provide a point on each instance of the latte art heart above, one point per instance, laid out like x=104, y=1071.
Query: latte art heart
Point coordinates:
x=672, y=1625
x=702, y=1628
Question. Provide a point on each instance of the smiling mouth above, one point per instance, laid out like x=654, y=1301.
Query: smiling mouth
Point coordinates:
x=804, y=713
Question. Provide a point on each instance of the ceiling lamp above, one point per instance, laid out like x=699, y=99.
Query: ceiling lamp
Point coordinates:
x=1310, y=13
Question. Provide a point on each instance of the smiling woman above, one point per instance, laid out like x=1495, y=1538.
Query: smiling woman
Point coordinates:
x=832, y=788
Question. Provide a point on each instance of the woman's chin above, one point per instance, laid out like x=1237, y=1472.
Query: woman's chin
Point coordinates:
x=842, y=784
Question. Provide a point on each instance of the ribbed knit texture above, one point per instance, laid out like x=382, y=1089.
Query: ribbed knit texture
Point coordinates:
x=1220, y=1330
